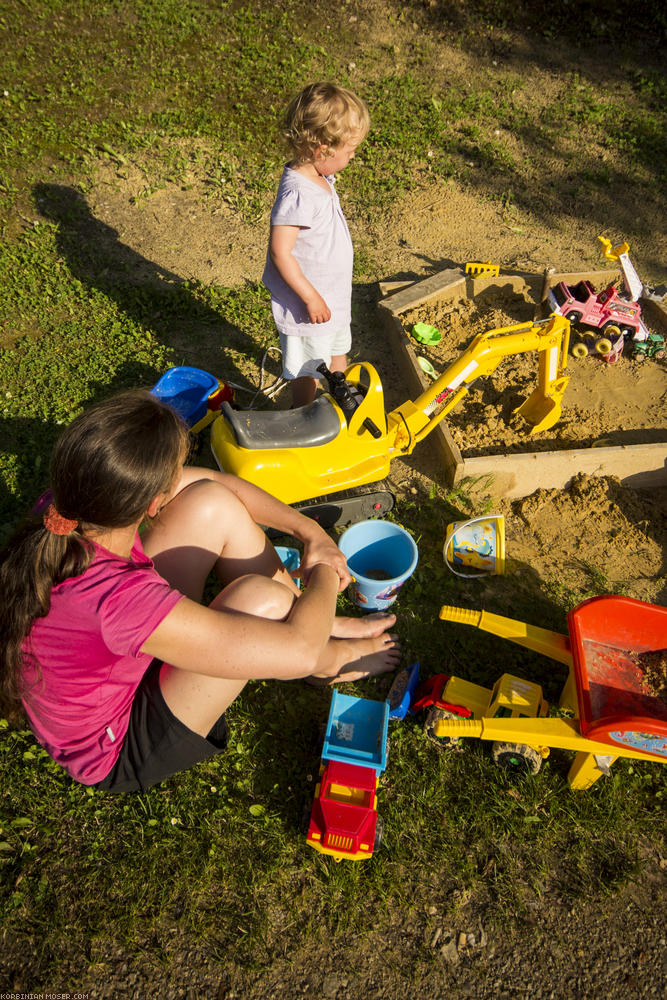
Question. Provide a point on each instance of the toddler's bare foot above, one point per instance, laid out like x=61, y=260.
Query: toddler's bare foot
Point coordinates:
x=369, y=627
x=360, y=658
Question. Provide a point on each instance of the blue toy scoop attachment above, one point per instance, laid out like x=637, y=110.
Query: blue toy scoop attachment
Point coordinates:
x=401, y=692
x=187, y=391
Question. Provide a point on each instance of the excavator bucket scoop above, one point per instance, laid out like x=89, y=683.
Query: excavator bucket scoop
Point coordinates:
x=543, y=409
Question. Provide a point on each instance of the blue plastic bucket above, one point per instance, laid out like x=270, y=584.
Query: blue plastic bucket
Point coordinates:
x=381, y=556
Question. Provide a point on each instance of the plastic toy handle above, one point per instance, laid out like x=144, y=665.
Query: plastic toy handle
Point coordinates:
x=540, y=640
x=372, y=428
x=464, y=616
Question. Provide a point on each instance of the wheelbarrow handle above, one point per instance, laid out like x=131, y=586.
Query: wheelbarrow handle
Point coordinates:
x=541, y=640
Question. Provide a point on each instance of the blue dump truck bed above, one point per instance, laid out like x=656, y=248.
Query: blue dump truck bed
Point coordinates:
x=357, y=732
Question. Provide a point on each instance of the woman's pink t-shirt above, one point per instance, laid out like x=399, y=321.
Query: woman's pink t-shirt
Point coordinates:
x=90, y=665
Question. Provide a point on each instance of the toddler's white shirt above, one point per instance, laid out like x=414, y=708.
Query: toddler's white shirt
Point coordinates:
x=323, y=250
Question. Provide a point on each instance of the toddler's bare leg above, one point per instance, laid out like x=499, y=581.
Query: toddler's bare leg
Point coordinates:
x=304, y=389
x=338, y=363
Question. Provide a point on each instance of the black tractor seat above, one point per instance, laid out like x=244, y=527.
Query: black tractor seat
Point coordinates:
x=306, y=427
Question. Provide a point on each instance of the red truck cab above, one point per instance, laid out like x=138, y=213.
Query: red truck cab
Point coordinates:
x=580, y=304
x=344, y=819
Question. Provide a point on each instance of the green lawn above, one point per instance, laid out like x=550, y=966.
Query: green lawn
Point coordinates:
x=176, y=86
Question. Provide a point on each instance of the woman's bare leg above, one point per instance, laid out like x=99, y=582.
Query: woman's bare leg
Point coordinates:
x=205, y=528
x=199, y=701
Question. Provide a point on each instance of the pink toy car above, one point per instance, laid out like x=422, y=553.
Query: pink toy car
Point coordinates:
x=611, y=316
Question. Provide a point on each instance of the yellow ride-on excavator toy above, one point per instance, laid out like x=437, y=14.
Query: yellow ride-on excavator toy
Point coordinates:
x=323, y=456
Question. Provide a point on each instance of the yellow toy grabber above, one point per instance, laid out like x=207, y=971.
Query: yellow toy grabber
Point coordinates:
x=540, y=640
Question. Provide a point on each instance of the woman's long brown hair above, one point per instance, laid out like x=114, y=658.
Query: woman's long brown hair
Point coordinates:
x=107, y=467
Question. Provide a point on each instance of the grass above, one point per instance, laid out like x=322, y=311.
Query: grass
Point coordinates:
x=195, y=88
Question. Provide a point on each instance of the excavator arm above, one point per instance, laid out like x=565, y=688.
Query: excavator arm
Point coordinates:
x=412, y=421
x=621, y=253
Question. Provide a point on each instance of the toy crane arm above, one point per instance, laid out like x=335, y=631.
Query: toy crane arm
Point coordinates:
x=412, y=421
x=541, y=640
x=621, y=253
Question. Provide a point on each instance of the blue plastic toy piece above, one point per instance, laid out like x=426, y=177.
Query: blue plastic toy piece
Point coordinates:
x=186, y=390
x=357, y=732
x=289, y=557
x=402, y=690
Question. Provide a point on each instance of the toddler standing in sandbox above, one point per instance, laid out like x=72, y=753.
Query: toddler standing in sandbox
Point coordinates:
x=309, y=261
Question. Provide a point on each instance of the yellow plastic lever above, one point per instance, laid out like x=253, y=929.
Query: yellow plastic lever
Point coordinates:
x=613, y=252
x=541, y=640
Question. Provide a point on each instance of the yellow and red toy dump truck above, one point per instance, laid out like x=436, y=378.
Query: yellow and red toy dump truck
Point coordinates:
x=615, y=707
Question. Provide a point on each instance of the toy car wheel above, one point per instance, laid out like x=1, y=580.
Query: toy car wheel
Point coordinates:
x=603, y=346
x=574, y=317
x=379, y=833
x=516, y=757
x=436, y=715
x=659, y=354
x=612, y=331
x=580, y=349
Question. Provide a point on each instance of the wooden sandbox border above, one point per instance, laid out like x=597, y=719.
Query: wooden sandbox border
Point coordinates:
x=517, y=475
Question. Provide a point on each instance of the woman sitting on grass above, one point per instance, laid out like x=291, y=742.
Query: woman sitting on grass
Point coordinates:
x=125, y=676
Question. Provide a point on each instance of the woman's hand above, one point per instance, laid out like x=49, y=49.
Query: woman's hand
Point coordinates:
x=321, y=549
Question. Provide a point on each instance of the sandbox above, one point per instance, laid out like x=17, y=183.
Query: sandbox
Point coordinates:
x=614, y=419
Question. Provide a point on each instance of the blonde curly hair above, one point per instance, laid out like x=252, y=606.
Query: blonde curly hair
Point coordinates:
x=323, y=114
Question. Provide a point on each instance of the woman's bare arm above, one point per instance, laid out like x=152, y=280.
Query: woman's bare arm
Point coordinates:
x=222, y=643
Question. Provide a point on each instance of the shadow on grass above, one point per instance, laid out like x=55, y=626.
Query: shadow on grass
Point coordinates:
x=28, y=442
x=154, y=297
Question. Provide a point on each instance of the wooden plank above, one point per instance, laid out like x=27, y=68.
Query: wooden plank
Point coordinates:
x=389, y=287
x=640, y=466
x=444, y=283
x=520, y=282
x=602, y=277
x=656, y=313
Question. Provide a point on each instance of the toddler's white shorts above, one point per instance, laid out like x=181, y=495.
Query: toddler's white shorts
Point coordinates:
x=302, y=355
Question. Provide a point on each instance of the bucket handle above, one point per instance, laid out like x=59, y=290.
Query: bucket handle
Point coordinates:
x=450, y=537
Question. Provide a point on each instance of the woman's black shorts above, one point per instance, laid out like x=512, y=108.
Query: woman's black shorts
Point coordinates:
x=157, y=744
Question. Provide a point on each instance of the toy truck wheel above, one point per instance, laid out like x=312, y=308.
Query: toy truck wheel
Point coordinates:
x=603, y=346
x=516, y=757
x=379, y=834
x=436, y=715
x=574, y=318
x=580, y=349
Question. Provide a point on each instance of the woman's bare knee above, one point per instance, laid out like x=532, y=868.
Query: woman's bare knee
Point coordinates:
x=256, y=595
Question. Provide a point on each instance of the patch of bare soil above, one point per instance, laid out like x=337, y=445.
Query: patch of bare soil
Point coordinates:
x=604, y=404
x=611, y=948
x=594, y=526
